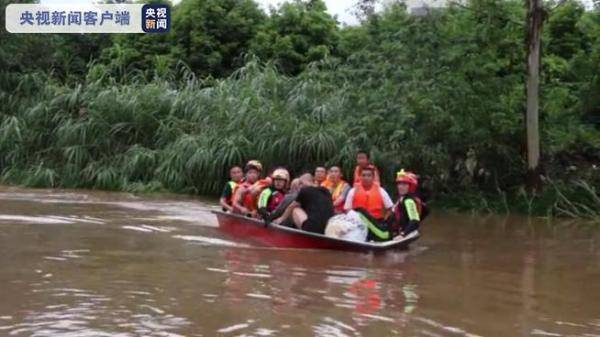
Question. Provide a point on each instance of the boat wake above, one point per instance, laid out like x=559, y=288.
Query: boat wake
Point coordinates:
x=209, y=241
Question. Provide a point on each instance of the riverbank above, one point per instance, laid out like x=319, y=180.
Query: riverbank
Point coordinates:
x=184, y=136
x=581, y=201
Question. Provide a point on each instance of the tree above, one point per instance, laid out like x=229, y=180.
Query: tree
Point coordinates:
x=296, y=34
x=535, y=19
x=72, y=53
x=565, y=38
x=137, y=53
x=212, y=36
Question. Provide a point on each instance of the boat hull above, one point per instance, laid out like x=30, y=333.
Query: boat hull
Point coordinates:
x=255, y=231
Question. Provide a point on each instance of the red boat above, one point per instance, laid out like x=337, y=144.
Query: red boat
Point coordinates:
x=273, y=235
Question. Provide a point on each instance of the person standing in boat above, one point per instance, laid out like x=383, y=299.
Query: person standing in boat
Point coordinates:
x=409, y=210
x=337, y=187
x=245, y=197
x=362, y=161
x=312, y=208
x=273, y=195
x=237, y=176
x=372, y=202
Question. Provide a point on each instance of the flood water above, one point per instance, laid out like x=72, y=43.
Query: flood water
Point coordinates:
x=85, y=263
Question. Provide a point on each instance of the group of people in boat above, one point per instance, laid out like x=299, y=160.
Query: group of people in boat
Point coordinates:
x=325, y=203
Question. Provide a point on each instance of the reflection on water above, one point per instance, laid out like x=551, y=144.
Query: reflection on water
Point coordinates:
x=107, y=264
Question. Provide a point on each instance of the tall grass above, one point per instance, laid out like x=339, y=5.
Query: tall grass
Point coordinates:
x=582, y=201
x=183, y=135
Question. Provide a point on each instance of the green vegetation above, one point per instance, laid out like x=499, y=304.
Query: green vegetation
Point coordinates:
x=441, y=94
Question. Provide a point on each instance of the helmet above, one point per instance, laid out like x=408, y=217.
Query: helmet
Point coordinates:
x=408, y=178
x=281, y=173
x=253, y=164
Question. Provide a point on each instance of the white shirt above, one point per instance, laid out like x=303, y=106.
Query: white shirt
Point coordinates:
x=387, y=201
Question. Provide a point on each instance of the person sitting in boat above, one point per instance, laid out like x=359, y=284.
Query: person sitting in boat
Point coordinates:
x=237, y=176
x=337, y=187
x=372, y=202
x=312, y=208
x=409, y=210
x=273, y=195
x=244, y=198
x=320, y=175
x=289, y=197
x=362, y=161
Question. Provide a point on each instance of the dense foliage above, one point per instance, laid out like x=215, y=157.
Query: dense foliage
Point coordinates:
x=441, y=94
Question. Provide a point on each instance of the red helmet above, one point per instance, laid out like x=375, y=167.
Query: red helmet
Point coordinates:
x=407, y=178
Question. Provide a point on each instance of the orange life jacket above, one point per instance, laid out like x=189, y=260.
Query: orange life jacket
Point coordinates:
x=248, y=200
x=260, y=185
x=370, y=200
x=336, y=191
x=327, y=183
x=357, y=176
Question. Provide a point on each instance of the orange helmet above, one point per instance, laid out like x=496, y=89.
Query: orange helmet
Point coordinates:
x=407, y=178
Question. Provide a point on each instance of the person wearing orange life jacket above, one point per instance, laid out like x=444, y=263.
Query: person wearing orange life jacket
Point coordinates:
x=244, y=199
x=372, y=203
x=274, y=194
x=320, y=175
x=237, y=176
x=337, y=187
x=369, y=195
x=362, y=161
x=409, y=210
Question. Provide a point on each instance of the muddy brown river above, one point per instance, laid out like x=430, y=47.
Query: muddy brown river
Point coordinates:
x=87, y=263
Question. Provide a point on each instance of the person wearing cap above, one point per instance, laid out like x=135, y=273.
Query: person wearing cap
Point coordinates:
x=237, y=176
x=372, y=202
x=408, y=211
x=244, y=200
x=273, y=195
